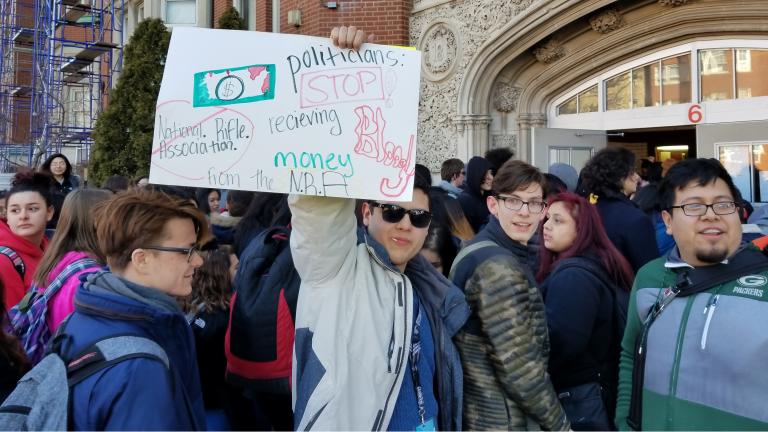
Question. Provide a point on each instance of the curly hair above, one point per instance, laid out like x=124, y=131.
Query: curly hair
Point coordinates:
x=31, y=181
x=604, y=173
x=211, y=284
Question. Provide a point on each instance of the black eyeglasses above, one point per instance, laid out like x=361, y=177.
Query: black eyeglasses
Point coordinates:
x=719, y=208
x=185, y=251
x=515, y=204
x=394, y=213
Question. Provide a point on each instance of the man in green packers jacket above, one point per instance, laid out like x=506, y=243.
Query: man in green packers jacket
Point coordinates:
x=705, y=352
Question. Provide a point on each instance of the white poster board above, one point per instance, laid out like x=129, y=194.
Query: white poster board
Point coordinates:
x=283, y=113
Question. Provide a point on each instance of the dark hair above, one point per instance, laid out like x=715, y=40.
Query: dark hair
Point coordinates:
x=137, y=218
x=10, y=348
x=450, y=168
x=30, y=181
x=604, y=173
x=266, y=210
x=700, y=172
x=554, y=185
x=498, y=157
x=46, y=167
x=515, y=175
x=423, y=184
x=116, y=183
x=211, y=284
x=456, y=220
x=647, y=198
x=76, y=231
x=653, y=172
x=180, y=192
x=590, y=238
x=422, y=171
x=439, y=240
x=238, y=202
x=201, y=197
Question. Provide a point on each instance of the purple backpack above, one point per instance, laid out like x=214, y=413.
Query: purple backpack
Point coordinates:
x=28, y=318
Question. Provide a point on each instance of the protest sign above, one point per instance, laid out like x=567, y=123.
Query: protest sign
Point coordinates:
x=284, y=113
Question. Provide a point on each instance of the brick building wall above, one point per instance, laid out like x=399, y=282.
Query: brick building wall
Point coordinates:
x=387, y=19
x=219, y=6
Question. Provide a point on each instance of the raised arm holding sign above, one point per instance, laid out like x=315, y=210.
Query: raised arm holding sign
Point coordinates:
x=373, y=347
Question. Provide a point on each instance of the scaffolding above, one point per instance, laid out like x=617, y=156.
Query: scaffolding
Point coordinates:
x=58, y=60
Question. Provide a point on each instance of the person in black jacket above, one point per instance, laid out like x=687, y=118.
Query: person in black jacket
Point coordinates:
x=208, y=313
x=608, y=180
x=579, y=270
x=472, y=199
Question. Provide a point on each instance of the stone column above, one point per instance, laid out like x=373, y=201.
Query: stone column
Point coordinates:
x=472, y=135
x=526, y=122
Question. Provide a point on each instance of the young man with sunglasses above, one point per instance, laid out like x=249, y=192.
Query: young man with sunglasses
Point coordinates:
x=504, y=346
x=693, y=354
x=374, y=319
x=150, y=242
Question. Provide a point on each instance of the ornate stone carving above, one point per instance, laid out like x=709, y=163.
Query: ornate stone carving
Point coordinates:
x=505, y=97
x=673, y=3
x=606, y=21
x=508, y=141
x=473, y=22
x=550, y=51
x=439, y=51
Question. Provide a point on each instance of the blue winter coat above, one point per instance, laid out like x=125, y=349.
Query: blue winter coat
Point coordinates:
x=140, y=393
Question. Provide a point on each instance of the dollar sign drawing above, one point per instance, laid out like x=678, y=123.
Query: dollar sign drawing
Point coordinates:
x=227, y=90
x=230, y=88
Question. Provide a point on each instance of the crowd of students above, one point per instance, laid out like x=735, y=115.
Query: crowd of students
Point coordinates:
x=500, y=298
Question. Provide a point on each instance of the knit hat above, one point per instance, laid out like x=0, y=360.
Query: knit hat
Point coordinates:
x=566, y=173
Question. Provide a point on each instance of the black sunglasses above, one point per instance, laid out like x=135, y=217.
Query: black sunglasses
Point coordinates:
x=394, y=213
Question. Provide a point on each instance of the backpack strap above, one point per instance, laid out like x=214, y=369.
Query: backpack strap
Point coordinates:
x=16, y=260
x=466, y=251
x=689, y=281
x=110, y=351
x=33, y=294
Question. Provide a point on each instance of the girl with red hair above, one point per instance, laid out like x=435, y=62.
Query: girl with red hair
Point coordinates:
x=581, y=276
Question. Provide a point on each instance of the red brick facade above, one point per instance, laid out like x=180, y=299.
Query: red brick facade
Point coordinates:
x=219, y=6
x=387, y=19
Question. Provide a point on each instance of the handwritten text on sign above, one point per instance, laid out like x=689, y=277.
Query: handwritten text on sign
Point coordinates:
x=288, y=114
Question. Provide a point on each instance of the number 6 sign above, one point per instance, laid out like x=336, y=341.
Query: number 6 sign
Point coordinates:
x=695, y=115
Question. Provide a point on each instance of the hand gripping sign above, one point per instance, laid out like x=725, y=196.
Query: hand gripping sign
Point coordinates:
x=283, y=113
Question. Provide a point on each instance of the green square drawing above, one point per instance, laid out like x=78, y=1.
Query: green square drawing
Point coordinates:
x=244, y=84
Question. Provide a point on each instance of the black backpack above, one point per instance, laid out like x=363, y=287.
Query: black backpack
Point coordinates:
x=260, y=333
x=609, y=376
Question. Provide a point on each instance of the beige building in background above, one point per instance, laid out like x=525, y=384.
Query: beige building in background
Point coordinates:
x=557, y=79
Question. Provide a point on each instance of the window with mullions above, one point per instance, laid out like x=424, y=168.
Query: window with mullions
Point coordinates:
x=747, y=163
x=663, y=82
x=584, y=102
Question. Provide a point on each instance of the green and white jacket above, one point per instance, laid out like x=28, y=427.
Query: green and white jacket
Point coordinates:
x=706, y=353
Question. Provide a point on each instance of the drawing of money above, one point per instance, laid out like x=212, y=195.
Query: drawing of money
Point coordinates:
x=236, y=85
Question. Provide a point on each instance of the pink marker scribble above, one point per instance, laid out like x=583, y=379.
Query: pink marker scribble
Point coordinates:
x=265, y=84
x=370, y=143
x=341, y=85
x=255, y=71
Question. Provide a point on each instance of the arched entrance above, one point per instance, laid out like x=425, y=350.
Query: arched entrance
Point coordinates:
x=510, y=87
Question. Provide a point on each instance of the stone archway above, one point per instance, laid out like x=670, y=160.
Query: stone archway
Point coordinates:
x=511, y=78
